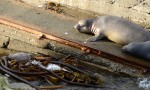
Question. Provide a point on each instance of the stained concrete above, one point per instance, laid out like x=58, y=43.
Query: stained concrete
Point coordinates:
x=20, y=35
x=25, y=47
x=16, y=42
x=61, y=26
x=57, y=25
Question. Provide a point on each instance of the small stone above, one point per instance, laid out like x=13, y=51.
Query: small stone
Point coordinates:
x=66, y=33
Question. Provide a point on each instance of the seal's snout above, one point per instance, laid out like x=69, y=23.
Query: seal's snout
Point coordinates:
x=77, y=27
x=124, y=49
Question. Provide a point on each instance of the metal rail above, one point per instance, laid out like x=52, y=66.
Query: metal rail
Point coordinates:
x=144, y=67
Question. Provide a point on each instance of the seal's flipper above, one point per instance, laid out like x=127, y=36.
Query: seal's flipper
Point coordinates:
x=95, y=38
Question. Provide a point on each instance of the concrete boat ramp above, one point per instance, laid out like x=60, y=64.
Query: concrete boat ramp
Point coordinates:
x=62, y=27
x=59, y=28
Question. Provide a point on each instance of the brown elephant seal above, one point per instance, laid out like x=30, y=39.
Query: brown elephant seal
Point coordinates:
x=116, y=29
x=139, y=49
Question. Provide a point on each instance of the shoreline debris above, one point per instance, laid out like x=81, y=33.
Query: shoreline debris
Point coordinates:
x=39, y=67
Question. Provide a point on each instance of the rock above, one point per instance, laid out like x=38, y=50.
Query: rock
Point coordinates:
x=4, y=85
x=21, y=86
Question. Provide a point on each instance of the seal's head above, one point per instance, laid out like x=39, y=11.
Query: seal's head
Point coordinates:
x=84, y=26
x=139, y=49
x=130, y=47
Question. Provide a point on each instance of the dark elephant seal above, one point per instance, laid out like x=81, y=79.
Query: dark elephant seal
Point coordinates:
x=139, y=49
x=116, y=29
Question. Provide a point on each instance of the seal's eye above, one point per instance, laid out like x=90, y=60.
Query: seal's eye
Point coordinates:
x=82, y=25
x=82, y=22
x=84, y=28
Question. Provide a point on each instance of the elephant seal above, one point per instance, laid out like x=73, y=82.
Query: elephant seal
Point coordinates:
x=139, y=49
x=115, y=28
